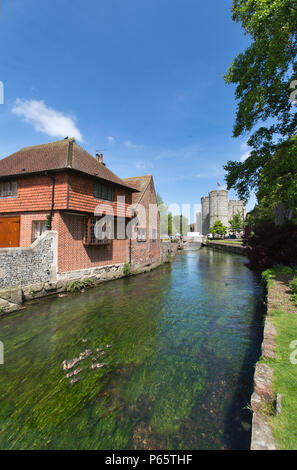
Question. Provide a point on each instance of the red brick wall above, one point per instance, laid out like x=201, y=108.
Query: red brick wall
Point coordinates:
x=34, y=202
x=34, y=193
x=73, y=254
x=26, y=226
x=81, y=197
x=72, y=191
x=148, y=251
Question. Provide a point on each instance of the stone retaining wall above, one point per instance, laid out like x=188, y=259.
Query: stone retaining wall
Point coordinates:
x=263, y=397
x=24, y=266
x=48, y=283
x=168, y=251
x=230, y=247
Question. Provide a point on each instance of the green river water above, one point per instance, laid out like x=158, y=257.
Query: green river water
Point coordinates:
x=185, y=338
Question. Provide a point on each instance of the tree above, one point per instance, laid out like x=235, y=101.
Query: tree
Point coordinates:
x=165, y=217
x=218, y=229
x=180, y=224
x=237, y=223
x=264, y=76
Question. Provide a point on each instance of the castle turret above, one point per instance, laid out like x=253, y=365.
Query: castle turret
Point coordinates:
x=235, y=207
x=218, y=206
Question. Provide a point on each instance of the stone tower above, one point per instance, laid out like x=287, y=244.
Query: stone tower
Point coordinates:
x=236, y=206
x=218, y=207
x=205, y=214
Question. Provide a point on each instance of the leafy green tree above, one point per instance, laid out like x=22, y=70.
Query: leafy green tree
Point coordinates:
x=219, y=229
x=237, y=223
x=165, y=217
x=264, y=76
x=180, y=224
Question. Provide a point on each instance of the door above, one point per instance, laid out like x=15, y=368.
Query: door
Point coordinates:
x=9, y=232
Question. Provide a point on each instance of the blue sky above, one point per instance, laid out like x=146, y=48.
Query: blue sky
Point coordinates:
x=140, y=80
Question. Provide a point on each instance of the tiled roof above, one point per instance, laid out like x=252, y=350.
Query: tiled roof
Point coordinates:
x=63, y=154
x=140, y=183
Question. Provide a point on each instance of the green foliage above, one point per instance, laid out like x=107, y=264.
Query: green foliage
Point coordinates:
x=262, y=75
x=276, y=271
x=180, y=224
x=293, y=285
x=237, y=223
x=218, y=229
x=165, y=217
x=126, y=269
x=49, y=218
x=78, y=285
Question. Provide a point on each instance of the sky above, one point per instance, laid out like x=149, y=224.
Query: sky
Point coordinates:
x=141, y=81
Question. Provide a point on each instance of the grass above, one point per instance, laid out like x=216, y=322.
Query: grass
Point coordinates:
x=284, y=372
x=229, y=241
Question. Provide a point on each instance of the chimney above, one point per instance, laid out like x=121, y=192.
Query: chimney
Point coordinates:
x=99, y=157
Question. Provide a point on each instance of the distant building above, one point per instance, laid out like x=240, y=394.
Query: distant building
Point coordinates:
x=198, y=222
x=216, y=206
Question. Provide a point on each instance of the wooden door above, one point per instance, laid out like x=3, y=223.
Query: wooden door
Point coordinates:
x=9, y=232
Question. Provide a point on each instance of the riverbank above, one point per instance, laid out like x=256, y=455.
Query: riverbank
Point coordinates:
x=229, y=246
x=274, y=401
x=13, y=298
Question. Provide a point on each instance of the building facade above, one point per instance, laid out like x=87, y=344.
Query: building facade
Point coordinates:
x=60, y=186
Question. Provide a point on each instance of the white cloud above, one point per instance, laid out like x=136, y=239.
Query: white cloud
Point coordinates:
x=111, y=139
x=45, y=119
x=131, y=145
x=144, y=165
x=244, y=156
x=244, y=146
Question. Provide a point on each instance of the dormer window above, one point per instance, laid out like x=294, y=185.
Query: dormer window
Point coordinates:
x=104, y=191
x=8, y=189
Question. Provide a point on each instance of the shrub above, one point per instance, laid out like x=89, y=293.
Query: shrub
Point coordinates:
x=79, y=285
x=293, y=285
x=126, y=269
x=270, y=245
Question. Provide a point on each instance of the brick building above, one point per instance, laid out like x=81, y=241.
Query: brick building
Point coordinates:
x=145, y=244
x=61, y=186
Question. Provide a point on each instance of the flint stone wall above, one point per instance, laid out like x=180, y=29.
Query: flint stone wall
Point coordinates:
x=29, y=265
x=168, y=251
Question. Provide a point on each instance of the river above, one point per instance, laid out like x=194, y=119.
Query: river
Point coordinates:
x=178, y=375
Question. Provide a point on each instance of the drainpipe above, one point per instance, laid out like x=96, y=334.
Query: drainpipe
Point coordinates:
x=53, y=198
x=130, y=247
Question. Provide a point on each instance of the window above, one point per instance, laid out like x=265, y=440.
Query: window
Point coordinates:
x=141, y=234
x=8, y=189
x=90, y=232
x=104, y=191
x=38, y=228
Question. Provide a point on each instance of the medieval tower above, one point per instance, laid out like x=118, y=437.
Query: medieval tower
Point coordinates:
x=216, y=206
